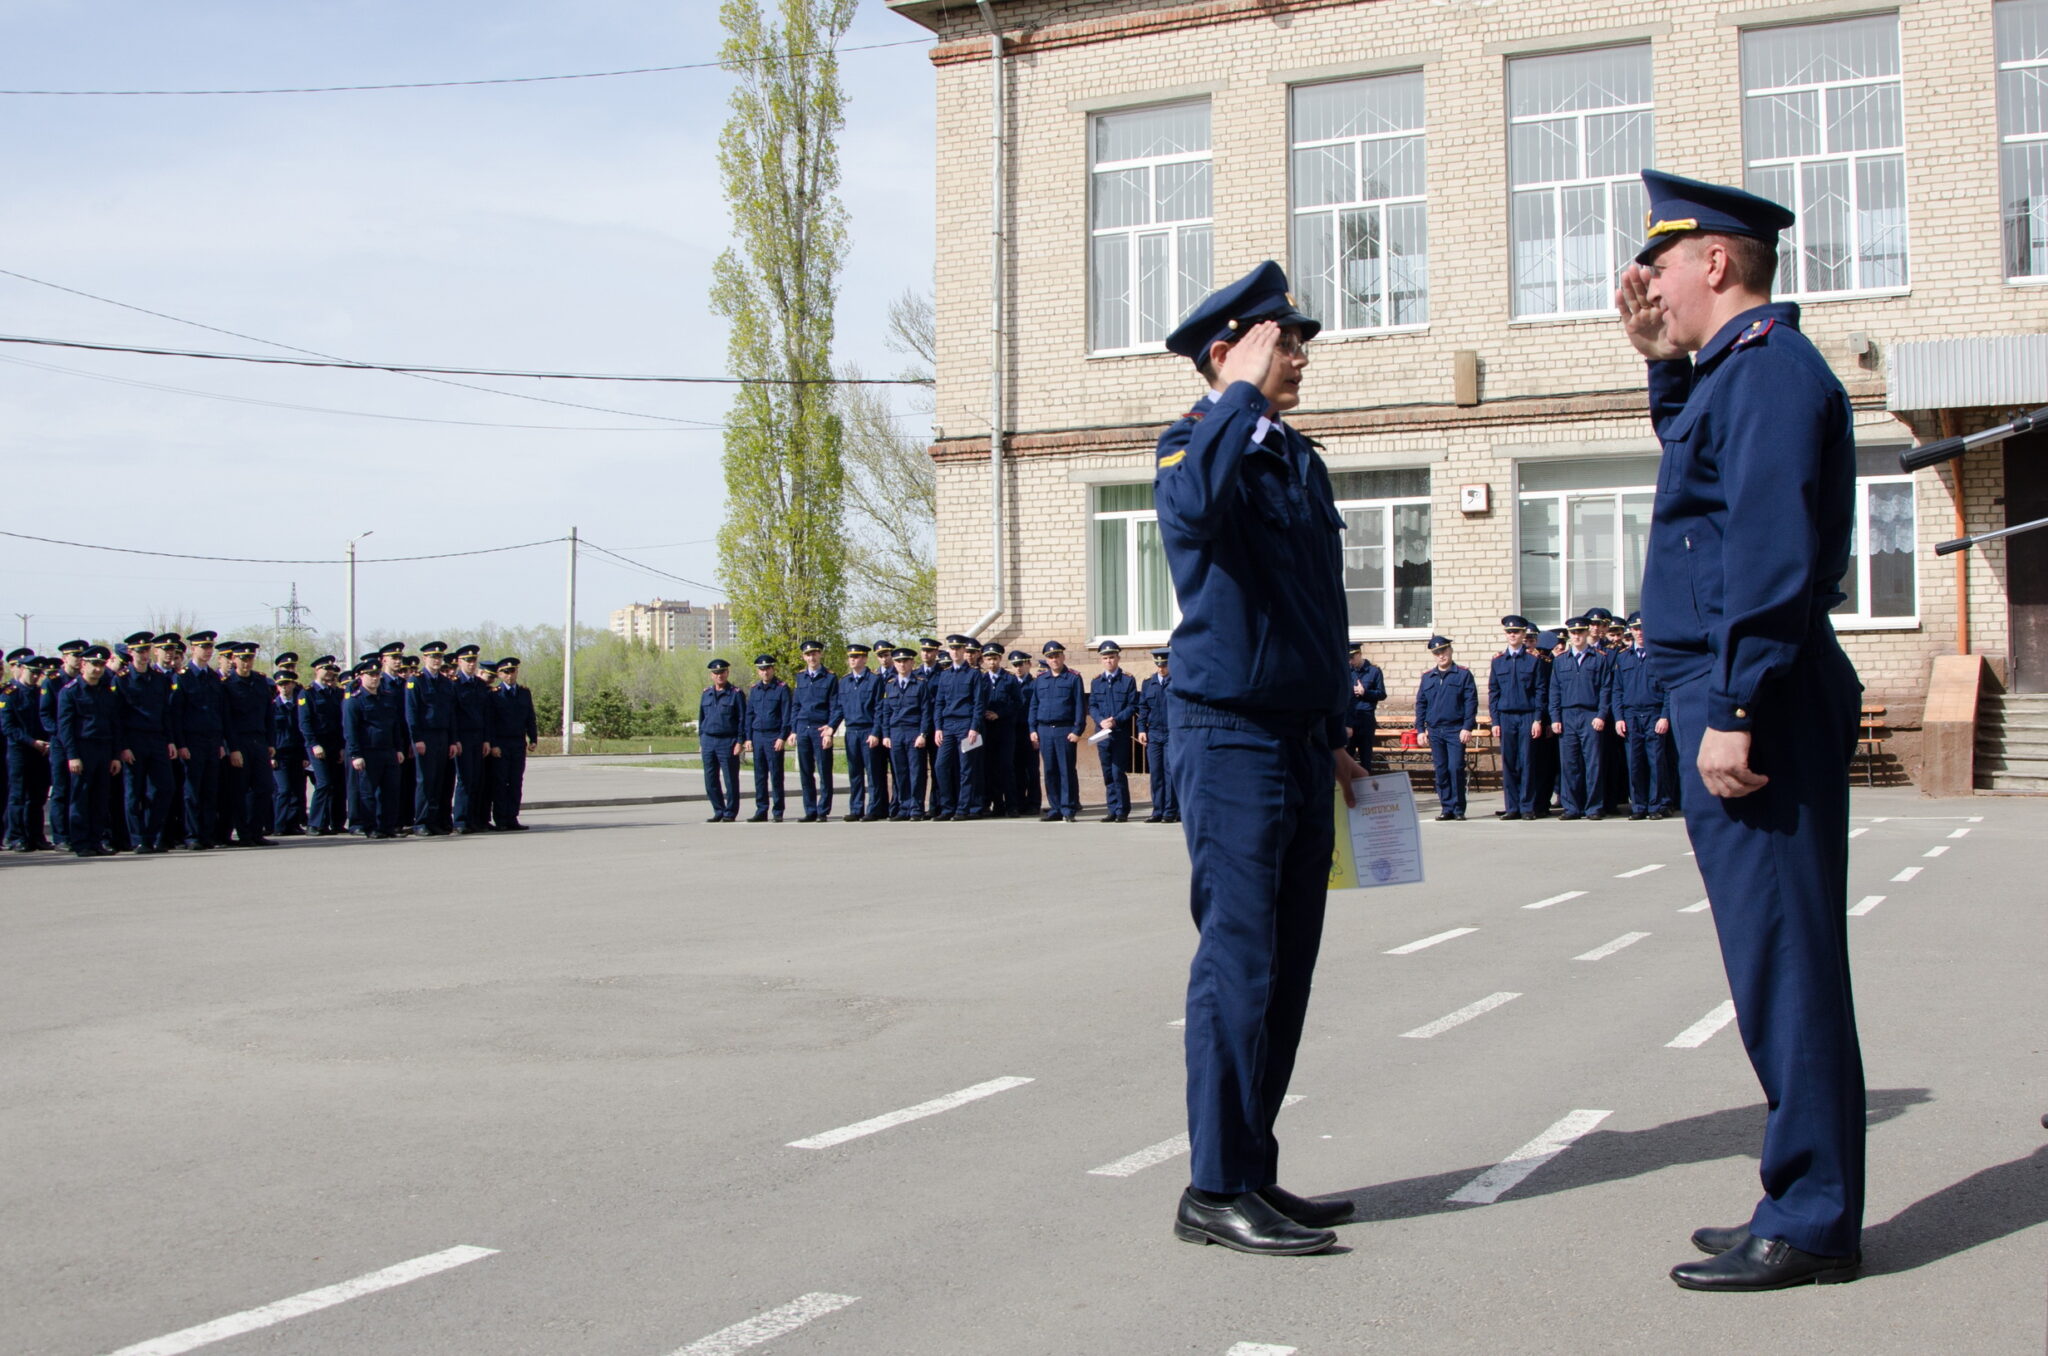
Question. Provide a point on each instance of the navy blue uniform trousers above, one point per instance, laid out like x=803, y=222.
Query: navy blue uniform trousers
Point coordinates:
x=814, y=770
x=859, y=760
x=906, y=760
x=1447, y=761
x=957, y=772
x=328, y=782
x=146, y=792
x=1580, y=764
x=768, y=765
x=430, y=789
x=1115, y=756
x=1648, y=788
x=721, y=775
x=202, y=791
x=92, y=795
x=508, y=782
x=28, y=793
x=1256, y=809
x=1159, y=758
x=1062, y=770
x=1776, y=864
x=1517, y=765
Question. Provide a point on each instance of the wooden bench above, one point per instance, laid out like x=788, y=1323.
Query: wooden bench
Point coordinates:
x=1870, y=741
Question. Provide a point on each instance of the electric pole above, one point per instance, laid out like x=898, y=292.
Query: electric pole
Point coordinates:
x=569, y=652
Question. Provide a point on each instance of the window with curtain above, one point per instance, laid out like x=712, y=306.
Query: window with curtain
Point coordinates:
x=1881, y=583
x=1823, y=127
x=1583, y=535
x=1387, y=569
x=2022, y=27
x=1149, y=217
x=1361, y=229
x=1133, y=593
x=1579, y=134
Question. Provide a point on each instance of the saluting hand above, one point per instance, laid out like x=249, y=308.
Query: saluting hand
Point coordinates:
x=1642, y=319
x=1251, y=358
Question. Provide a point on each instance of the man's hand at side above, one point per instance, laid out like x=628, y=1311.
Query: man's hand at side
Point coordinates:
x=1724, y=764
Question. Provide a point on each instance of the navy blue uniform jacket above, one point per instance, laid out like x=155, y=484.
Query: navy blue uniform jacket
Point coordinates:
x=371, y=721
x=1519, y=684
x=1059, y=699
x=1636, y=686
x=959, y=697
x=88, y=714
x=1366, y=703
x=771, y=711
x=429, y=707
x=1253, y=540
x=1152, y=709
x=1447, y=697
x=1749, y=536
x=1113, y=697
x=817, y=698
x=906, y=709
x=860, y=699
x=145, y=707
x=199, y=708
x=718, y=714
x=1582, y=683
x=320, y=716
x=512, y=725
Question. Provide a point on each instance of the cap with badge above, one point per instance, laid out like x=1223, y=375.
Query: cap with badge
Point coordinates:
x=1599, y=614
x=1161, y=655
x=764, y=661
x=1108, y=647
x=395, y=647
x=203, y=637
x=719, y=665
x=810, y=647
x=74, y=647
x=1019, y=657
x=1053, y=647
x=992, y=648
x=140, y=638
x=289, y=659
x=857, y=649
x=325, y=661
x=1227, y=314
x=1680, y=207
x=1635, y=619
x=1545, y=640
x=510, y=661
x=94, y=654
x=1436, y=643
x=885, y=647
x=1513, y=623
x=434, y=647
x=904, y=652
x=23, y=655
x=469, y=652
x=929, y=643
x=1578, y=623
x=285, y=676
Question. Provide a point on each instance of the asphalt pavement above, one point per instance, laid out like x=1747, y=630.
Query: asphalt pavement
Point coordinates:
x=633, y=1083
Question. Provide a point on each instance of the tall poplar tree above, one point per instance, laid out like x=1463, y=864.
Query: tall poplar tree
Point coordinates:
x=782, y=559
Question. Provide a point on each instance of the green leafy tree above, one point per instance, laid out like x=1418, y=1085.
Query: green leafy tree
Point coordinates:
x=607, y=715
x=892, y=487
x=781, y=548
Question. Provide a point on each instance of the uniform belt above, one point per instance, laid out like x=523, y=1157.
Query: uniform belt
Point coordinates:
x=1189, y=714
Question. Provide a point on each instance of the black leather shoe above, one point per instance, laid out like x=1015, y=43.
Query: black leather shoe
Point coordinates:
x=1517, y=814
x=1047, y=816
x=757, y=819
x=1595, y=819
x=1713, y=1242
x=1445, y=815
x=1247, y=1224
x=1765, y=1264
x=1568, y=818
x=1307, y=1213
x=1637, y=819
x=715, y=819
x=1658, y=814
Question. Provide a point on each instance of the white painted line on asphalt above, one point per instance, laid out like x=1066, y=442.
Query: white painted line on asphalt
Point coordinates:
x=909, y=1113
x=1908, y=873
x=769, y=1326
x=1700, y=907
x=1259, y=1349
x=1702, y=1031
x=1178, y=1021
x=1414, y=947
x=1865, y=905
x=1506, y=1175
x=1959, y=833
x=1603, y=952
x=1641, y=871
x=1460, y=1017
x=1858, y=833
x=1166, y=1149
x=1555, y=899
x=1937, y=850
x=311, y=1301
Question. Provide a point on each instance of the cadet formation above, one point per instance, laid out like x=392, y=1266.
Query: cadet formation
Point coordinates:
x=166, y=742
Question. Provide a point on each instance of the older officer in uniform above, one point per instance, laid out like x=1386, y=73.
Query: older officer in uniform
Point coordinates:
x=430, y=721
x=1059, y=712
x=514, y=733
x=721, y=730
x=470, y=809
x=1157, y=737
x=199, y=716
x=1446, y=713
x=1749, y=539
x=1259, y=710
x=1517, y=696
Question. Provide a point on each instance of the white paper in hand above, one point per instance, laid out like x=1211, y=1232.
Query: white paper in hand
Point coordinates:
x=1379, y=840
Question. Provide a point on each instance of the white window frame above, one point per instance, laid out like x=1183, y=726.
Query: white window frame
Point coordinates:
x=1556, y=189
x=1131, y=518
x=1336, y=211
x=1861, y=620
x=1790, y=241
x=2005, y=190
x=1171, y=230
x=1618, y=602
x=1386, y=507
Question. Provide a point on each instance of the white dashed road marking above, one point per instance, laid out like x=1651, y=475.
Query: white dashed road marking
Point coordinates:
x=1937, y=850
x=1603, y=952
x=1260, y=1349
x=311, y=1301
x=1163, y=1151
x=1556, y=899
x=1506, y=1175
x=1960, y=833
x=1858, y=833
x=1641, y=871
x=1700, y=907
x=1461, y=1016
x=1865, y=905
x=1908, y=873
x=1414, y=947
x=909, y=1113
x=769, y=1326
x=1702, y=1031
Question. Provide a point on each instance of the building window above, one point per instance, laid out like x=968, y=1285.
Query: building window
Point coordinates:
x=1361, y=231
x=1149, y=212
x=1579, y=135
x=1583, y=529
x=1880, y=582
x=1387, y=585
x=2023, y=133
x=1133, y=591
x=1824, y=133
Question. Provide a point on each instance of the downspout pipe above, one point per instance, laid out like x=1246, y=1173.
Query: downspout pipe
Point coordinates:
x=995, y=323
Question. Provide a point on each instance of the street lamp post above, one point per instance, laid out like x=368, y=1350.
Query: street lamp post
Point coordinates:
x=350, y=658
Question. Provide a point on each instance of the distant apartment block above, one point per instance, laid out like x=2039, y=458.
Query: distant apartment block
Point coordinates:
x=669, y=625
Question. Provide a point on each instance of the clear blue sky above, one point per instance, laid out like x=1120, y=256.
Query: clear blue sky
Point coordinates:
x=566, y=226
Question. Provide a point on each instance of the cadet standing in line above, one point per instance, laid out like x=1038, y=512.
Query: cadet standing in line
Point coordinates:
x=957, y=705
x=1750, y=537
x=771, y=722
x=1446, y=712
x=1025, y=776
x=199, y=716
x=1113, y=704
x=251, y=789
x=289, y=775
x=1543, y=753
x=1001, y=727
x=721, y=730
x=89, y=736
x=1642, y=715
x=933, y=656
x=860, y=699
x=373, y=732
x=815, y=694
x=471, y=810
x=319, y=707
x=1517, y=699
x=1156, y=737
x=1581, y=701
x=60, y=767
x=1059, y=712
x=28, y=753
x=881, y=806
x=430, y=722
x=906, y=725
x=1259, y=712
x=147, y=784
x=513, y=734
x=1368, y=690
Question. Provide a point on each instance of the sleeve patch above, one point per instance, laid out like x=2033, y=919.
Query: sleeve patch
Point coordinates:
x=1174, y=459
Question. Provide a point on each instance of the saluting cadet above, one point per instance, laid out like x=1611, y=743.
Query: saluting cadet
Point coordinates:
x=860, y=699
x=1642, y=713
x=771, y=723
x=1113, y=703
x=319, y=708
x=199, y=717
x=1368, y=690
x=60, y=767
x=470, y=811
x=1750, y=536
x=1581, y=701
x=906, y=724
x=721, y=730
x=1259, y=711
x=1002, y=725
x=1156, y=736
x=1446, y=712
x=815, y=693
x=880, y=805
x=958, y=701
x=1517, y=699
x=288, y=815
x=513, y=734
x=89, y=735
x=373, y=733
x=430, y=723
x=147, y=785
x=1059, y=712
x=28, y=753
x=1024, y=756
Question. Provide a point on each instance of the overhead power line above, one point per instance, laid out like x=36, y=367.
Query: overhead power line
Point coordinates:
x=641, y=565
x=455, y=84
x=257, y=560
x=438, y=369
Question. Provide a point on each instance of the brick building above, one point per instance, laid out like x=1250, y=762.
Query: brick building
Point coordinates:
x=1452, y=185
x=669, y=625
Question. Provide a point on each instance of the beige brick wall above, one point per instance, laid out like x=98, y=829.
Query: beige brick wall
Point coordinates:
x=1385, y=400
